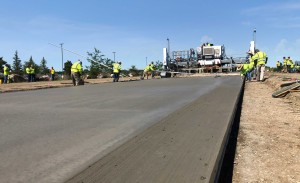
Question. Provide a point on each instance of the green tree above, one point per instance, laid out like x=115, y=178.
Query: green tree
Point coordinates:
x=29, y=63
x=134, y=71
x=43, y=66
x=2, y=63
x=158, y=65
x=98, y=64
x=108, y=62
x=17, y=65
x=67, y=68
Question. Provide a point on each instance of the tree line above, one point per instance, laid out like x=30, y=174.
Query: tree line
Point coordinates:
x=98, y=65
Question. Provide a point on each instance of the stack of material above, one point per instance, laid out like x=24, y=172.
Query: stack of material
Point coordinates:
x=287, y=88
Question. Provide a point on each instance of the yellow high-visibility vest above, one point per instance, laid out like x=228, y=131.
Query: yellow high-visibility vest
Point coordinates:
x=261, y=58
x=76, y=67
x=28, y=71
x=117, y=67
x=6, y=70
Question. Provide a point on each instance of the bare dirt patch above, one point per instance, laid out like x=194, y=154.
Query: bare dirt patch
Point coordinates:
x=268, y=148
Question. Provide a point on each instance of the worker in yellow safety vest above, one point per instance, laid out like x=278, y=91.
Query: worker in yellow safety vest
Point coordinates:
x=288, y=64
x=285, y=60
x=147, y=71
x=6, y=73
x=52, y=72
x=152, y=68
x=260, y=60
x=278, y=65
x=116, y=71
x=28, y=72
x=32, y=72
x=244, y=70
x=250, y=67
x=76, y=72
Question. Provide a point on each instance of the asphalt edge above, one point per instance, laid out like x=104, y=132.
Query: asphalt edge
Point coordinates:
x=223, y=168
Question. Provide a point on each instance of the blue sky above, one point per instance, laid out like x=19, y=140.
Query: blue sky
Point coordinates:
x=137, y=29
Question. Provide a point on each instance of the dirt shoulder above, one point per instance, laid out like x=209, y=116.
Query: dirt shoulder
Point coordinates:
x=268, y=148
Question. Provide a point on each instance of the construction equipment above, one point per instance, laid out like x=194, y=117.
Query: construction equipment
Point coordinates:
x=206, y=58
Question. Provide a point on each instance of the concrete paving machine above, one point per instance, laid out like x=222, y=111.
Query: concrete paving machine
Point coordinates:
x=206, y=58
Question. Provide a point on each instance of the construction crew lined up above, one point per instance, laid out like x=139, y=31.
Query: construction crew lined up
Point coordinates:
x=260, y=60
x=76, y=72
x=288, y=65
x=116, y=71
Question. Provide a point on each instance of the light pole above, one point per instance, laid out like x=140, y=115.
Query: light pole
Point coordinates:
x=168, y=53
x=254, y=37
x=62, y=57
x=114, y=56
x=146, y=61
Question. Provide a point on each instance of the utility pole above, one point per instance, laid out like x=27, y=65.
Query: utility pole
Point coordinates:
x=254, y=37
x=146, y=61
x=168, y=53
x=114, y=56
x=168, y=47
x=62, y=57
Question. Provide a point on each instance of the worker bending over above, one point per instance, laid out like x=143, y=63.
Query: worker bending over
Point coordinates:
x=147, y=71
x=76, y=72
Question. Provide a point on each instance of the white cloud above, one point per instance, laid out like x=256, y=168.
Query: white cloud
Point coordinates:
x=278, y=15
x=273, y=8
x=281, y=46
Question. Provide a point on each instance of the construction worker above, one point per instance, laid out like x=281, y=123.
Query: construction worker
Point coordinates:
x=260, y=60
x=52, y=72
x=147, y=70
x=76, y=72
x=32, y=72
x=292, y=68
x=288, y=64
x=152, y=69
x=278, y=65
x=244, y=71
x=6, y=73
x=285, y=64
x=28, y=72
x=251, y=65
x=116, y=71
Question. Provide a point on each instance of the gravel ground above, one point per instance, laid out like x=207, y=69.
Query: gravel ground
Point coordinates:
x=268, y=148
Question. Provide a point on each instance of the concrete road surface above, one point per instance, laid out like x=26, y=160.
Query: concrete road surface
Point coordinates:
x=51, y=135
